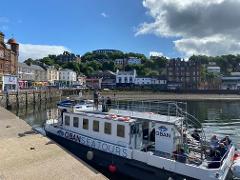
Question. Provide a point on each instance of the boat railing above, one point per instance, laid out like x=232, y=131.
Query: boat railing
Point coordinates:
x=226, y=157
x=184, y=121
x=168, y=108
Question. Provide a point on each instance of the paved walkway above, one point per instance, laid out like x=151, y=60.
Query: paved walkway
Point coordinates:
x=25, y=155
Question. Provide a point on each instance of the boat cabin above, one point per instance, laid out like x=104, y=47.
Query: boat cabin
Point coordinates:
x=139, y=131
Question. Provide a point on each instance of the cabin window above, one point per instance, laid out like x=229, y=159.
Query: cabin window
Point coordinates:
x=96, y=126
x=107, y=128
x=75, y=122
x=67, y=121
x=120, y=130
x=85, y=123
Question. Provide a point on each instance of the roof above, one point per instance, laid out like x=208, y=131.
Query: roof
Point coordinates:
x=125, y=73
x=67, y=70
x=103, y=73
x=146, y=115
x=213, y=67
x=231, y=78
x=36, y=67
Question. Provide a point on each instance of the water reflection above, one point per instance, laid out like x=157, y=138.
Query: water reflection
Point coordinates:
x=36, y=115
x=218, y=117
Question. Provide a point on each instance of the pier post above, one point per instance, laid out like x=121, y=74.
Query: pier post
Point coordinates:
x=26, y=98
x=46, y=96
x=7, y=99
x=40, y=96
x=17, y=99
x=50, y=95
x=34, y=97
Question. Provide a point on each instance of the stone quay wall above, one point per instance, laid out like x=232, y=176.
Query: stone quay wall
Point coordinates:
x=32, y=97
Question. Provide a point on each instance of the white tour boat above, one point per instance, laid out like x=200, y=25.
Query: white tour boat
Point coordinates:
x=142, y=140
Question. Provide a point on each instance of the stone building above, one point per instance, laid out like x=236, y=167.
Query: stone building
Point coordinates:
x=68, y=57
x=30, y=76
x=52, y=75
x=108, y=79
x=8, y=61
x=186, y=73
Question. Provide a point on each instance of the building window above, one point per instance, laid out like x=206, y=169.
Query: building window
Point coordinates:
x=75, y=122
x=85, y=123
x=120, y=130
x=96, y=126
x=130, y=80
x=119, y=80
x=107, y=128
x=125, y=80
x=67, y=121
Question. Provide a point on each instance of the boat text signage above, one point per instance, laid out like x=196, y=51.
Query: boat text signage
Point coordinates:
x=163, y=131
x=93, y=143
x=164, y=138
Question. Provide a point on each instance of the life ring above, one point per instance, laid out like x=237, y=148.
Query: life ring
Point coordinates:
x=108, y=117
x=236, y=156
x=123, y=118
x=113, y=116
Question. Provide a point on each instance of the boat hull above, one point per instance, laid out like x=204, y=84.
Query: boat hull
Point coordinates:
x=129, y=167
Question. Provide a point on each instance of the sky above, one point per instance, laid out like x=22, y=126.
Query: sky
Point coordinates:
x=173, y=28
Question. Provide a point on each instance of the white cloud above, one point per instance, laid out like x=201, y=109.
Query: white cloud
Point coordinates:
x=201, y=26
x=103, y=14
x=38, y=51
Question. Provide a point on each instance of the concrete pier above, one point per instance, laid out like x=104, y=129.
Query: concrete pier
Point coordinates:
x=25, y=154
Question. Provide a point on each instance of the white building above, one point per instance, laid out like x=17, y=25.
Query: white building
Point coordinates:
x=120, y=61
x=125, y=77
x=10, y=83
x=67, y=77
x=214, y=69
x=143, y=81
x=159, y=81
x=52, y=75
x=230, y=83
x=133, y=60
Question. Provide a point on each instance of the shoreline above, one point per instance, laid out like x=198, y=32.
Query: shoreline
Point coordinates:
x=147, y=95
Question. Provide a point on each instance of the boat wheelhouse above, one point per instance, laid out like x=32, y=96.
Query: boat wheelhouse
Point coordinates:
x=78, y=105
x=141, y=140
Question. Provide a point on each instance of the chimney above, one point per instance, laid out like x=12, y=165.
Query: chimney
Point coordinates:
x=1, y=37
